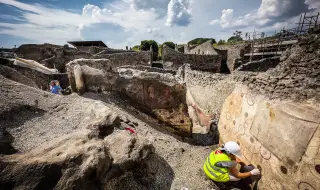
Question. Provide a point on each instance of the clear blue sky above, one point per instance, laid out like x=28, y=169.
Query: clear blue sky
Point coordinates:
x=121, y=23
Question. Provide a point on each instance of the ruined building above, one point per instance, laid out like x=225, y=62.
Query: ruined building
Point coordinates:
x=202, y=49
x=86, y=45
x=128, y=125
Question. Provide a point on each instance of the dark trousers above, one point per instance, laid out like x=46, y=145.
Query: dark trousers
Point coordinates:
x=243, y=184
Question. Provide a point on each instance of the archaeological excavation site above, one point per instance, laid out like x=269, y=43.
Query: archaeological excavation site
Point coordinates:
x=85, y=116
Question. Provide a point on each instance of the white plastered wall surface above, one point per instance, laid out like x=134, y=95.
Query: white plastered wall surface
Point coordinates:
x=283, y=137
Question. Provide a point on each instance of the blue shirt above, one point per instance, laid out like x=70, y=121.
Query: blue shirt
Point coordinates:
x=56, y=89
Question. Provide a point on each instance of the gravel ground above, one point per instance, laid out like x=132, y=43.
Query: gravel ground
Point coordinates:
x=185, y=160
x=27, y=127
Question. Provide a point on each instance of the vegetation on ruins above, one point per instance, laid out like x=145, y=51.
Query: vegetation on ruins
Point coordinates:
x=136, y=48
x=234, y=39
x=146, y=44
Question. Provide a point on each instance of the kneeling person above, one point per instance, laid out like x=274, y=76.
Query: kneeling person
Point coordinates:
x=220, y=165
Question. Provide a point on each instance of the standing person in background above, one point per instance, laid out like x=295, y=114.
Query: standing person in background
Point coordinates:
x=55, y=89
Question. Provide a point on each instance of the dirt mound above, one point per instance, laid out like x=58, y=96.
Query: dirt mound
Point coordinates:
x=65, y=142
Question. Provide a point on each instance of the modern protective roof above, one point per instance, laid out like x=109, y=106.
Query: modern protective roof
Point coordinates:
x=88, y=43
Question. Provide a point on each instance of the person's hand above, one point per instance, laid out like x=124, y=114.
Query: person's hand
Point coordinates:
x=255, y=172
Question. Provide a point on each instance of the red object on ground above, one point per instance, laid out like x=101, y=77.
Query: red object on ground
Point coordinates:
x=130, y=130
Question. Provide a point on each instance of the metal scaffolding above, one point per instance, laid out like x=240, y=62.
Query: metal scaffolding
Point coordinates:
x=262, y=46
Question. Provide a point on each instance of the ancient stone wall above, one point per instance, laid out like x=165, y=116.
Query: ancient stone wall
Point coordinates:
x=87, y=49
x=52, y=56
x=261, y=65
x=173, y=60
x=160, y=94
x=273, y=115
x=235, y=52
x=110, y=62
x=203, y=49
x=36, y=52
x=128, y=58
x=208, y=90
x=223, y=53
x=297, y=75
x=149, y=69
x=100, y=50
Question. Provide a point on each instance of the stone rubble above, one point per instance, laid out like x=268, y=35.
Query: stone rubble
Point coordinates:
x=133, y=127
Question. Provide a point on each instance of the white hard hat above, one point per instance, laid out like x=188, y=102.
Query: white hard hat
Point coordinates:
x=232, y=148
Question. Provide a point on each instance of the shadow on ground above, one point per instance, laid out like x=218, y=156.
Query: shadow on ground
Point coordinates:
x=153, y=173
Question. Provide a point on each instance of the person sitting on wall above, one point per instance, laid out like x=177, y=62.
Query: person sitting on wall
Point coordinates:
x=55, y=89
x=220, y=166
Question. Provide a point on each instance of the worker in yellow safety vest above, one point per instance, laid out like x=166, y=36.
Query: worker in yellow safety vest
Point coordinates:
x=220, y=165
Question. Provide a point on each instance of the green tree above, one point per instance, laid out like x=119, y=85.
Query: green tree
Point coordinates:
x=146, y=44
x=236, y=37
x=169, y=44
x=237, y=33
x=222, y=42
x=233, y=39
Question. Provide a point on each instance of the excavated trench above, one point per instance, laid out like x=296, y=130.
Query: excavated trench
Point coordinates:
x=143, y=114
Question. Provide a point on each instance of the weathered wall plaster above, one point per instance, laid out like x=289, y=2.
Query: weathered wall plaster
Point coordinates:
x=282, y=137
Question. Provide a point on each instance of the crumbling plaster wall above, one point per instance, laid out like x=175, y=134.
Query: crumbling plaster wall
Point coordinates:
x=208, y=90
x=283, y=137
x=159, y=94
x=173, y=60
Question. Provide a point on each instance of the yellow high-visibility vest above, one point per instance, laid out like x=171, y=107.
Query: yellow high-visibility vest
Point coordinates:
x=215, y=173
